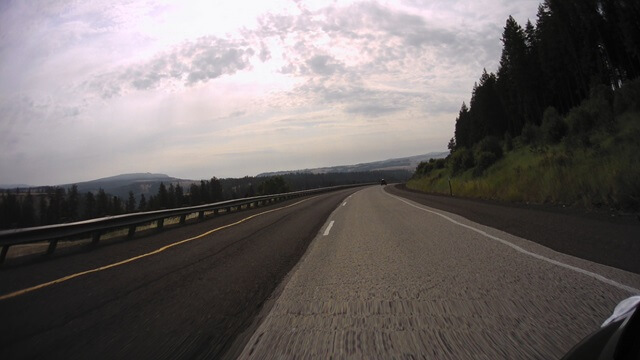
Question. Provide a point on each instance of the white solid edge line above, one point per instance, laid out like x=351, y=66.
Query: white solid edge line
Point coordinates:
x=326, y=232
x=526, y=252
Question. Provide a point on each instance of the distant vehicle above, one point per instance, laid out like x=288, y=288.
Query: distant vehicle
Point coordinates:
x=383, y=182
x=618, y=338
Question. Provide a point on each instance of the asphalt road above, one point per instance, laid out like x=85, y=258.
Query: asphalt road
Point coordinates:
x=596, y=236
x=189, y=301
x=356, y=273
x=390, y=278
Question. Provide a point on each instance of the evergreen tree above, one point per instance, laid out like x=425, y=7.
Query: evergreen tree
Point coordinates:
x=216, y=189
x=162, y=197
x=171, y=196
x=142, y=205
x=28, y=211
x=205, y=192
x=194, y=195
x=9, y=211
x=43, y=211
x=515, y=89
x=179, y=195
x=463, y=129
x=116, y=206
x=486, y=113
x=102, y=203
x=89, y=206
x=131, y=203
x=73, y=203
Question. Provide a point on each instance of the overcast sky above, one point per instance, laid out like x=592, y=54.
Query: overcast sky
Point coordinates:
x=196, y=89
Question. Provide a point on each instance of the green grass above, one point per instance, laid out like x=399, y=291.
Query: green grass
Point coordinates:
x=604, y=173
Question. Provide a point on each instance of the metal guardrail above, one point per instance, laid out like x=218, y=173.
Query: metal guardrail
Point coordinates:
x=94, y=228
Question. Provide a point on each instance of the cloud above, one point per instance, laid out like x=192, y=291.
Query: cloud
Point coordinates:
x=193, y=62
x=324, y=65
x=372, y=110
x=118, y=84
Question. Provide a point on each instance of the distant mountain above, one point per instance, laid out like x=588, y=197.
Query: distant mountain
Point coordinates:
x=138, y=183
x=406, y=163
x=14, y=186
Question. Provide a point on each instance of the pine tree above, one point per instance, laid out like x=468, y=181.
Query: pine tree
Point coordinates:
x=216, y=189
x=73, y=203
x=142, y=205
x=171, y=196
x=28, y=211
x=89, y=206
x=179, y=195
x=205, y=192
x=131, y=203
x=513, y=80
x=162, y=197
x=462, y=132
x=194, y=195
x=102, y=203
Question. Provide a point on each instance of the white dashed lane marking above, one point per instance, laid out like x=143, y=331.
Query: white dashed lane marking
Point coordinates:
x=326, y=232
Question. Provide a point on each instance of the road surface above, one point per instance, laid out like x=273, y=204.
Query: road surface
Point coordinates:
x=350, y=274
x=390, y=278
x=189, y=301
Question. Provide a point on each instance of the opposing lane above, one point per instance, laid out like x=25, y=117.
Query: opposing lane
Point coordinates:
x=390, y=280
x=187, y=302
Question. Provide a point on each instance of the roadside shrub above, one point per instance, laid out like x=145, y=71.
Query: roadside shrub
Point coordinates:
x=484, y=160
x=461, y=160
x=426, y=167
x=530, y=134
x=627, y=98
x=490, y=144
x=508, y=142
x=553, y=127
x=596, y=111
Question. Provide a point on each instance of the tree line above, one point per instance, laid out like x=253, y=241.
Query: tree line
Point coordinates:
x=21, y=208
x=54, y=205
x=575, y=48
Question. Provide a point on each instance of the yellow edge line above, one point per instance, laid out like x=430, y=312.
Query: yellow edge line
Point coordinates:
x=126, y=261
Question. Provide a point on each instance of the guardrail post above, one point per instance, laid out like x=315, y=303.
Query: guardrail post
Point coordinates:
x=215, y=212
x=3, y=254
x=228, y=209
x=132, y=231
x=201, y=215
x=52, y=246
x=160, y=223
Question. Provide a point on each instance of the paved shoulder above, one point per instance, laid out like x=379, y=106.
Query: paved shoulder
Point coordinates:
x=389, y=280
x=595, y=237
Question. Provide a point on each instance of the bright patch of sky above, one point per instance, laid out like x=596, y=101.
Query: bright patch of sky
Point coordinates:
x=196, y=89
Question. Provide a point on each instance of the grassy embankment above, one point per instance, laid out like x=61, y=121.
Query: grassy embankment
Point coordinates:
x=587, y=165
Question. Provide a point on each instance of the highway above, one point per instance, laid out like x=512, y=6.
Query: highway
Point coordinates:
x=359, y=273
x=390, y=278
x=189, y=301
